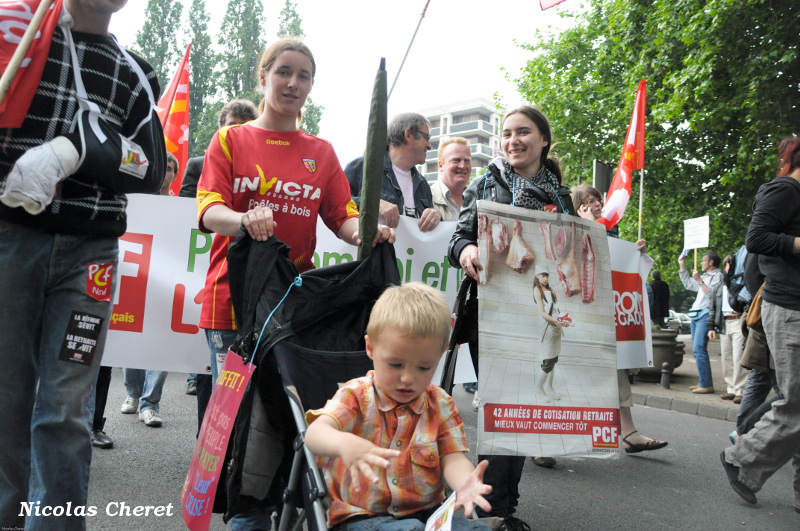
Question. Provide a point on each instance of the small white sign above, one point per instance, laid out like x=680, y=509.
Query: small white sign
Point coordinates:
x=695, y=233
x=442, y=519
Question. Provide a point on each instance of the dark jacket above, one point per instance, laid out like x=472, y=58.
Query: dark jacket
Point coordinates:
x=660, y=299
x=194, y=167
x=492, y=187
x=716, y=319
x=775, y=225
x=391, y=189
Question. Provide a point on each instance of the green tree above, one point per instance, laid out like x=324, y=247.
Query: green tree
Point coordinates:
x=242, y=44
x=312, y=114
x=290, y=25
x=157, y=41
x=723, y=79
x=290, y=22
x=202, y=88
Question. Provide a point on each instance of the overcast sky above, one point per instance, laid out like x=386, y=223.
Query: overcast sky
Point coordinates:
x=458, y=53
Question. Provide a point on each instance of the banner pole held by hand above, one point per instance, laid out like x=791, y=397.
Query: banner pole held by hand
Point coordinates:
x=22, y=48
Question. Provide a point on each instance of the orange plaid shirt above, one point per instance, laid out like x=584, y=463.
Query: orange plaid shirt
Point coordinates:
x=423, y=430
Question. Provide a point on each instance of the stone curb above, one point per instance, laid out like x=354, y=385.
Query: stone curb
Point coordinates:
x=681, y=405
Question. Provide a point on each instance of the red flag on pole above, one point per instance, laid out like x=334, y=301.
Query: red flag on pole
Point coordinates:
x=14, y=19
x=632, y=159
x=547, y=4
x=174, y=116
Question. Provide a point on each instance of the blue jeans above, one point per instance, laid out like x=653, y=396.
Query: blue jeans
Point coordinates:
x=390, y=523
x=146, y=386
x=45, y=449
x=258, y=518
x=700, y=347
x=218, y=343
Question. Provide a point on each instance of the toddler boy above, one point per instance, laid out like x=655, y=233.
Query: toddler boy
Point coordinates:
x=389, y=440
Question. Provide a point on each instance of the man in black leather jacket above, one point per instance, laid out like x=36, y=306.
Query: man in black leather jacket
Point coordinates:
x=409, y=141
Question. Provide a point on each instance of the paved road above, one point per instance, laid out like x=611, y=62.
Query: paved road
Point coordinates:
x=680, y=487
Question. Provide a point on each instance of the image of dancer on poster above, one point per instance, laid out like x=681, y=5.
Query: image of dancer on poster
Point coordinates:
x=552, y=331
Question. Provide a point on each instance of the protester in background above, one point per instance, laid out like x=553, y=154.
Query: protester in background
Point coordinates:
x=761, y=380
x=510, y=180
x=273, y=146
x=703, y=285
x=63, y=209
x=774, y=234
x=455, y=170
x=172, y=172
x=589, y=202
x=99, y=437
x=723, y=319
x=405, y=191
x=234, y=112
x=660, y=288
x=144, y=387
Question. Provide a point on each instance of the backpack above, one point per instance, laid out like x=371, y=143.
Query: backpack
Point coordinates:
x=738, y=296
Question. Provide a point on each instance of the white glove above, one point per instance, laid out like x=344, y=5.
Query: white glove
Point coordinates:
x=32, y=181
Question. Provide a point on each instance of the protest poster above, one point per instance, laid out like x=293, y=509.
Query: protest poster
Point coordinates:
x=548, y=380
x=629, y=271
x=200, y=486
x=695, y=233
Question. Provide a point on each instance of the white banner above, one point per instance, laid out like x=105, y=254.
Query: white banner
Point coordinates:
x=163, y=261
x=162, y=268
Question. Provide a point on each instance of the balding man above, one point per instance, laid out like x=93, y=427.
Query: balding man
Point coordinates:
x=405, y=191
x=455, y=169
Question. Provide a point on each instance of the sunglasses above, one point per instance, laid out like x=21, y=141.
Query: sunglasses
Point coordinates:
x=593, y=201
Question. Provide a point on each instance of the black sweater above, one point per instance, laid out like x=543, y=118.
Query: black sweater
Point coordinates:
x=775, y=224
x=92, y=201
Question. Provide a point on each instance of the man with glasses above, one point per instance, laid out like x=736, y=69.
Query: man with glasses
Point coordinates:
x=455, y=169
x=405, y=191
x=704, y=286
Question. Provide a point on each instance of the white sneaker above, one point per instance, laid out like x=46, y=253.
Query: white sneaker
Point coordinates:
x=476, y=402
x=131, y=405
x=150, y=418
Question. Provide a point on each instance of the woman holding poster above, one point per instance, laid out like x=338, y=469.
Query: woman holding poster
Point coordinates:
x=267, y=177
x=526, y=177
x=589, y=203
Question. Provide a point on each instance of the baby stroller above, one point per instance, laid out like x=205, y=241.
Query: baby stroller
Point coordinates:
x=305, y=337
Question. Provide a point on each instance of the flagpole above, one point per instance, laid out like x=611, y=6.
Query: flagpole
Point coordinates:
x=641, y=202
x=408, y=49
x=22, y=48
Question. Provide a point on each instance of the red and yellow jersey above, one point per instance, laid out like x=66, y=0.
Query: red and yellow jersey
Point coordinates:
x=295, y=174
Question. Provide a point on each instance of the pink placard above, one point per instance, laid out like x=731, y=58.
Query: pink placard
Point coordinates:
x=197, y=498
x=547, y=4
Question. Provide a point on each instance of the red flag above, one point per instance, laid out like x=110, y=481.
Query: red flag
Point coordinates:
x=632, y=159
x=174, y=116
x=547, y=4
x=14, y=19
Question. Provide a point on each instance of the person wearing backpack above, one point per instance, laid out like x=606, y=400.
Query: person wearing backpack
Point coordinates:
x=725, y=319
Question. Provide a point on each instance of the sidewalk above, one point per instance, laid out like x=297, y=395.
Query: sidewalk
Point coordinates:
x=680, y=398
